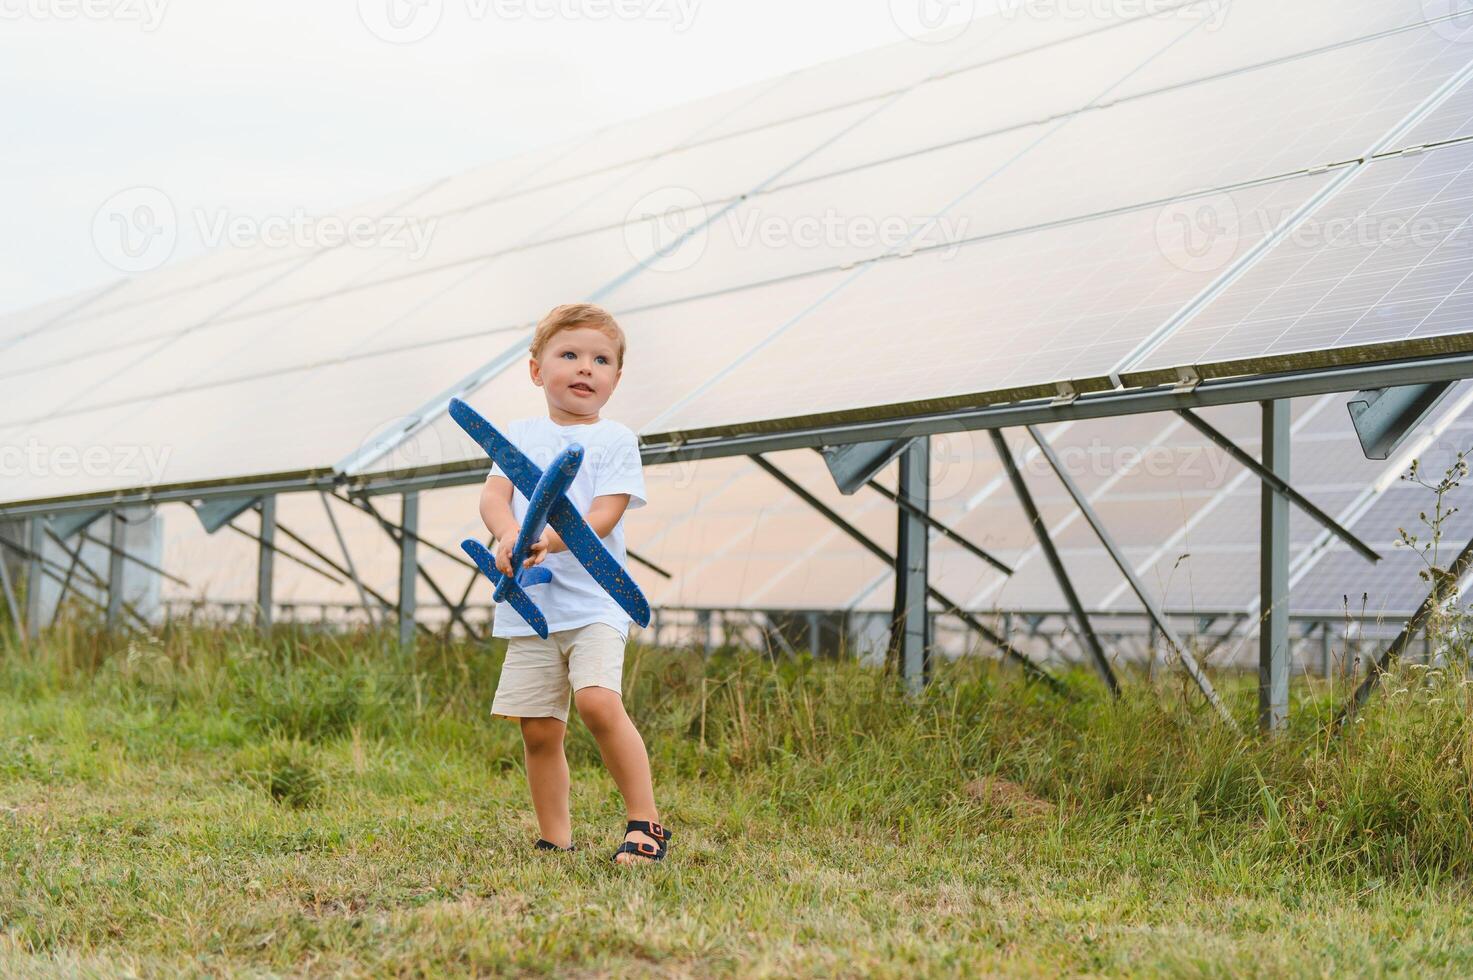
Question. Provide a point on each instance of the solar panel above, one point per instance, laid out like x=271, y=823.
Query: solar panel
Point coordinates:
x=1008, y=315
x=1383, y=266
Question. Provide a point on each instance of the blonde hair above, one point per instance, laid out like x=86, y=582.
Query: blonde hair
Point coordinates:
x=571, y=315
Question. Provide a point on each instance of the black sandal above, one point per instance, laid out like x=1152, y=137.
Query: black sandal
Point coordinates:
x=644, y=849
x=547, y=845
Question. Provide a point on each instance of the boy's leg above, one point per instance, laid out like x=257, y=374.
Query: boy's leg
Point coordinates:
x=623, y=751
x=547, y=777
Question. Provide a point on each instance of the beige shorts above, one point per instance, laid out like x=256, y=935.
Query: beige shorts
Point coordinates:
x=540, y=676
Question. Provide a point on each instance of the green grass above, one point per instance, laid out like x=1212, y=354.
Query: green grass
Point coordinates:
x=199, y=802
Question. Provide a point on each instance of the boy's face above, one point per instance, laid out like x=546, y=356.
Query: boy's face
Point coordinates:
x=578, y=371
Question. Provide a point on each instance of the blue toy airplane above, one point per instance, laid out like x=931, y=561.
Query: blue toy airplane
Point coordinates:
x=547, y=503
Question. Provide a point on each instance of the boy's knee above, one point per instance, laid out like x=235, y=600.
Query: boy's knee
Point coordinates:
x=542, y=734
x=600, y=708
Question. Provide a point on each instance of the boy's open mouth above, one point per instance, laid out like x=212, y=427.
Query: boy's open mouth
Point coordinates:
x=580, y=386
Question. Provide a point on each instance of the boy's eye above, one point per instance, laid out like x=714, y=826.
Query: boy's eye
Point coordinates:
x=602, y=359
x=568, y=353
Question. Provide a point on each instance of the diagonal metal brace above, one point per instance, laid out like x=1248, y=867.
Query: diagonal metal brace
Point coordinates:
x=1090, y=640
x=1030, y=668
x=1193, y=669
x=1279, y=485
x=1444, y=583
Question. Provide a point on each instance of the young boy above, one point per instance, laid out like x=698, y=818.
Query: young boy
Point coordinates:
x=577, y=359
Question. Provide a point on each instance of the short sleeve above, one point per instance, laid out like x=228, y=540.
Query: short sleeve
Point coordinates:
x=620, y=470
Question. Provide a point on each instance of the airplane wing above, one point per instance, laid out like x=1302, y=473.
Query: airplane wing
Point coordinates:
x=519, y=600
x=589, y=550
x=523, y=473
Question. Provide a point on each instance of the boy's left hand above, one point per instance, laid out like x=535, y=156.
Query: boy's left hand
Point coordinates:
x=539, y=549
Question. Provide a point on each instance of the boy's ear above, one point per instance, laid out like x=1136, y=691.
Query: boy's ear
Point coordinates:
x=535, y=371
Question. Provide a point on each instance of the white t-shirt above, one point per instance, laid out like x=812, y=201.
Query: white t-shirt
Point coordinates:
x=611, y=465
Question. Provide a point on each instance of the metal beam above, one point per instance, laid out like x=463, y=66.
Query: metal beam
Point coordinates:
x=1029, y=667
x=349, y=568
x=408, y=569
x=96, y=579
x=1444, y=585
x=675, y=447
x=10, y=600
x=398, y=532
x=1273, y=574
x=1040, y=529
x=118, y=532
x=266, y=564
x=285, y=554
x=218, y=512
x=1117, y=556
x=940, y=528
x=1384, y=417
x=37, y=541
x=1280, y=482
x=910, y=638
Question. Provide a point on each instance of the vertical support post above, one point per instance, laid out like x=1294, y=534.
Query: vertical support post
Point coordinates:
x=909, y=633
x=703, y=627
x=266, y=563
x=813, y=636
x=408, y=568
x=117, y=538
x=1327, y=667
x=10, y=601
x=1273, y=637
x=34, y=575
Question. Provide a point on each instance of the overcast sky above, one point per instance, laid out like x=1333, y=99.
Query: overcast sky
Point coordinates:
x=272, y=107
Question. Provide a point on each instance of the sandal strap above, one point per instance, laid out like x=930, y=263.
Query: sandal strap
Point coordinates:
x=656, y=830
x=547, y=845
x=642, y=849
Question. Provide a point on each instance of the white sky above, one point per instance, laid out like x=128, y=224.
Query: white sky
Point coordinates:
x=272, y=107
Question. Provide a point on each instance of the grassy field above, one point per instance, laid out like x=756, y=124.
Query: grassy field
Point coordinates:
x=204, y=802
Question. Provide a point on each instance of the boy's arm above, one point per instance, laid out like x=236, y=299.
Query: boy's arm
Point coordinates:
x=602, y=515
x=496, y=509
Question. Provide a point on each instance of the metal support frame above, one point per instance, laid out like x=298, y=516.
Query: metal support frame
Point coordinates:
x=1091, y=640
x=1279, y=481
x=408, y=568
x=118, y=531
x=1189, y=662
x=350, y=569
x=1444, y=586
x=910, y=637
x=100, y=583
x=266, y=563
x=37, y=543
x=855, y=464
x=277, y=549
x=1384, y=417
x=10, y=600
x=401, y=532
x=1273, y=576
x=1032, y=669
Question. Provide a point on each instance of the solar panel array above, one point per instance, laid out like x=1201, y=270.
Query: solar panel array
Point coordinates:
x=921, y=227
